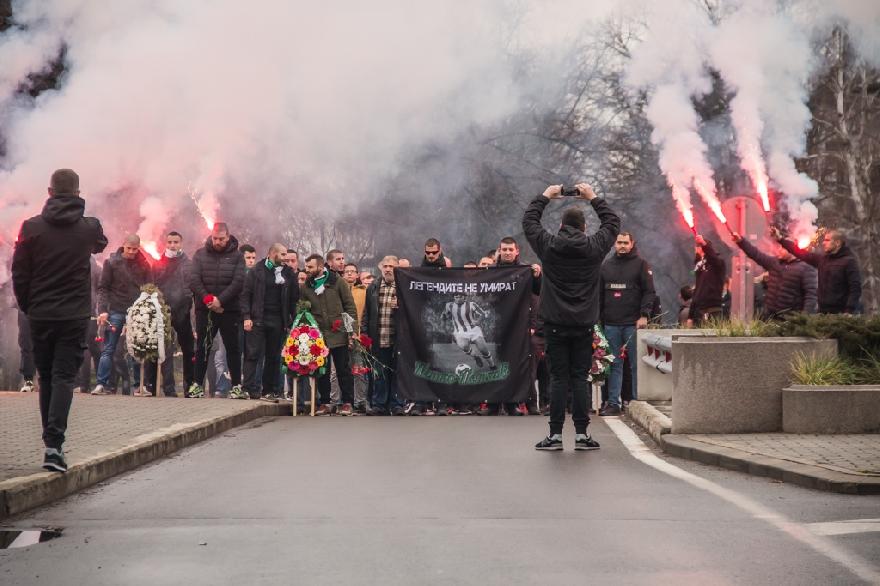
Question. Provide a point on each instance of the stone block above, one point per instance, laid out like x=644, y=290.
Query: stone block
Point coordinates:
x=734, y=385
x=827, y=410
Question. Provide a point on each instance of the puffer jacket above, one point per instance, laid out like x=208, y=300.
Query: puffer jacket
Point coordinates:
x=571, y=262
x=328, y=307
x=791, y=286
x=50, y=264
x=121, y=281
x=840, y=281
x=220, y=274
x=171, y=275
x=711, y=273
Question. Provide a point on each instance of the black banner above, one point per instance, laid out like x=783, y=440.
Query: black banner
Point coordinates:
x=464, y=334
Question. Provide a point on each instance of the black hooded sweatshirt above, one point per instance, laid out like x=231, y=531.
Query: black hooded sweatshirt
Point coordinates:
x=220, y=274
x=627, y=284
x=840, y=281
x=571, y=261
x=51, y=273
x=711, y=272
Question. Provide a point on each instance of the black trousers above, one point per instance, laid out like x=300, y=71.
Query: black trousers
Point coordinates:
x=182, y=326
x=27, y=369
x=569, y=353
x=268, y=331
x=343, y=374
x=58, y=352
x=227, y=324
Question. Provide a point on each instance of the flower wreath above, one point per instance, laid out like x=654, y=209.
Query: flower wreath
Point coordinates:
x=600, y=365
x=147, y=326
x=304, y=352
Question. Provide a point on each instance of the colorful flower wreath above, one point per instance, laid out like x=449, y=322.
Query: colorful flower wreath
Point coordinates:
x=304, y=352
x=600, y=366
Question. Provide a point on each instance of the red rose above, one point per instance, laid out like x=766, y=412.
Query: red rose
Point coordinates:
x=336, y=325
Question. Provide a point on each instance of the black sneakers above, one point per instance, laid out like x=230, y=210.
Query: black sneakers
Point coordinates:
x=611, y=411
x=585, y=442
x=550, y=443
x=54, y=460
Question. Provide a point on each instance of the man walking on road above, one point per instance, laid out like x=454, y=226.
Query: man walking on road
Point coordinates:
x=791, y=283
x=268, y=304
x=627, y=296
x=570, y=303
x=52, y=286
x=171, y=274
x=216, y=282
x=840, y=281
x=122, y=277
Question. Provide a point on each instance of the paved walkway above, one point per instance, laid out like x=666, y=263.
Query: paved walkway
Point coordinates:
x=853, y=454
x=107, y=435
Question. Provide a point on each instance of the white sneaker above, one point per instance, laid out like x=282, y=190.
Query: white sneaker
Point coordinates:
x=27, y=387
x=99, y=390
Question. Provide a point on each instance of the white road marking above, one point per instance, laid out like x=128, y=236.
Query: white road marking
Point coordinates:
x=845, y=527
x=826, y=547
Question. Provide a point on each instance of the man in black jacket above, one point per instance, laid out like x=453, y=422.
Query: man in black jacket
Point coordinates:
x=711, y=276
x=93, y=345
x=171, y=275
x=269, y=298
x=791, y=283
x=570, y=304
x=216, y=281
x=122, y=277
x=51, y=282
x=840, y=281
x=627, y=297
x=379, y=322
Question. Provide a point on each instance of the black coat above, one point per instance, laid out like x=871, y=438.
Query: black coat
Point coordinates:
x=627, y=284
x=370, y=315
x=171, y=275
x=571, y=262
x=840, y=281
x=95, y=282
x=220, y=274
x=791, y=286
x=254, y=293
x=709, y=287
x=121, y=282
x=51, y=274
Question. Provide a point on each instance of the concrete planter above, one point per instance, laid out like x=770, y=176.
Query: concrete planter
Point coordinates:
x=734, y=385
x=654, y=385
x=831, y=409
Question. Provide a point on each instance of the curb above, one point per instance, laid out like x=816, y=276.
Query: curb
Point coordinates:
x=649, y=419
x=27, y=492
x=805, y=475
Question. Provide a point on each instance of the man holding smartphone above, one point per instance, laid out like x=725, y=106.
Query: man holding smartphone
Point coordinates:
x=569, y=307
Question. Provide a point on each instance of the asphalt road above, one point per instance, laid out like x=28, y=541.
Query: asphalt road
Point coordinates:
x=433, y=500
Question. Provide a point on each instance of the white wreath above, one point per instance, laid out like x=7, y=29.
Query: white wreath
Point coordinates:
x=145, y=326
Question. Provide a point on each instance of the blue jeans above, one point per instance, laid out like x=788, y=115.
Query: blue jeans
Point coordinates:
x=618, y=336
x=385, y=380
x=111, y=340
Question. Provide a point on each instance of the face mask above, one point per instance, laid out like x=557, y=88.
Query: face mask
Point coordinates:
x=171, y=254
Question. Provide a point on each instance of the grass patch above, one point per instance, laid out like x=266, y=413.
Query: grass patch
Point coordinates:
x=838, y=370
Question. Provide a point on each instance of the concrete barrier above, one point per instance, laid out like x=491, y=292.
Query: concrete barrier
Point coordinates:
x=831, y=409
x=734, y=385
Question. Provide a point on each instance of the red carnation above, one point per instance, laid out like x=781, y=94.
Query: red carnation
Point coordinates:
x=336, y=325
x=207, y=299
x=365, y=341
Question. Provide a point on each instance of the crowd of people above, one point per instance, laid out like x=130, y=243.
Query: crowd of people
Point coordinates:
x=231, y=311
